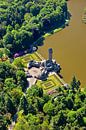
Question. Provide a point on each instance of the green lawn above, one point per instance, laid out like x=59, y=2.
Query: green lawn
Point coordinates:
x=51, y=83
x=34, y=56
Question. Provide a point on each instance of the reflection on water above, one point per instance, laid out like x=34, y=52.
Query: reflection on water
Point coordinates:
x=69, y=45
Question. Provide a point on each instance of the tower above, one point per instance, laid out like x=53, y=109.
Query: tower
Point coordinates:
x=50, y=51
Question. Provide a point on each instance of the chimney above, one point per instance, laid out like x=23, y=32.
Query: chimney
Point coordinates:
x=50, y=51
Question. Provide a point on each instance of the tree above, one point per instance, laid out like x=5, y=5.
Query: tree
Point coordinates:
x=22, y=123
x=75, y=84
x=69, y=102
x=27, y=17
x=35, y=91
x=71, y=116
x=6, y=52
x=6, y=70
x=3, y=122
x=1, y=54
x=26, y=38
x=33, y=120
x=21, y=79
x=58, y=120
x=45, y=126
x=23, y=105
x=2, y=31
x=16, y=95
x=48, y=108
x=8, y=39
x=34, y=9
x=9, y=83
x=18, y=63
x=84, y=121
x=10, y=107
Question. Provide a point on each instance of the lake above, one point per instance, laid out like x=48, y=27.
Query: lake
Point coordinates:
x=69, y=45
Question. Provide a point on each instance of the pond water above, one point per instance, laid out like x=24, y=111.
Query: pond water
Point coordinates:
x=69, y=45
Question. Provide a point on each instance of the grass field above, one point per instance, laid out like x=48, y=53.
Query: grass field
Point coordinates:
x=51, y=83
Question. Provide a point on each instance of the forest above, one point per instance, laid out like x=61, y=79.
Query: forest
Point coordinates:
x=35, y=109
x=12, y=85
x=23, y=22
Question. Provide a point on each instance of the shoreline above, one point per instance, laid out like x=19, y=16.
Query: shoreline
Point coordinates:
x=53, y=31
x=40, y=40
x=57, y=29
